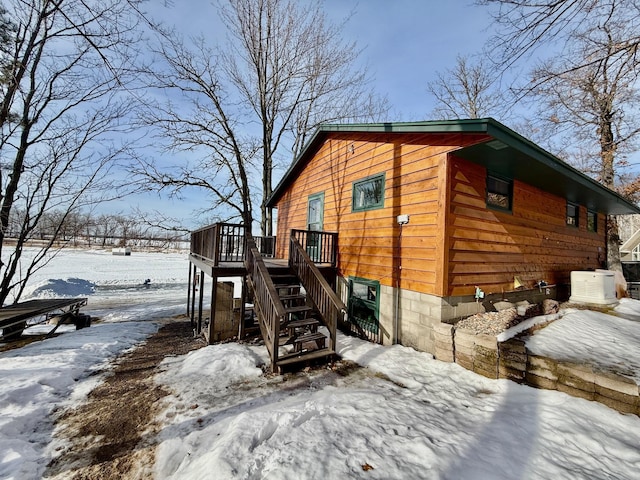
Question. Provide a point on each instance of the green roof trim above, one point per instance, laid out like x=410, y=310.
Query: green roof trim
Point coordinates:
x=507, y=153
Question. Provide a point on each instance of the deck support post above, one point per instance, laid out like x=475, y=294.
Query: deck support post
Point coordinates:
x=243, y=301
x=212, y=314
x=199, y=327
x=193, y=297
x=189, y=282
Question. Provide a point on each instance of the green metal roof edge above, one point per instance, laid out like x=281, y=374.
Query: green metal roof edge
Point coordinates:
x=513, y=139
x=489, y=125
x=435, y=126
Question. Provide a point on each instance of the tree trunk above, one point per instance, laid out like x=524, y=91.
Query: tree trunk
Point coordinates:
x=613, y=244
x=266, y=225
x=607, y=155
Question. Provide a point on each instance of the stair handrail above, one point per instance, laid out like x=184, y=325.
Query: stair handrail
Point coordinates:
x=318, y=289
x=267, y=303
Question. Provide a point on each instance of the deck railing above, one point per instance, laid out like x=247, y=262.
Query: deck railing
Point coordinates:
x=266, y=246
x=321, y=247
x=226, y=242
x=318, y=289
x=267, y=303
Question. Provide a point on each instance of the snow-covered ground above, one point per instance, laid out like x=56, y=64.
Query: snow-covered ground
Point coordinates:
x=605, y=341
x=115, y=285
x=404, y=415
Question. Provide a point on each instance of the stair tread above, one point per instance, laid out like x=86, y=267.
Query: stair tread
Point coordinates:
x=298, y=309
x=303, y=322
x=303, y=356
x=293, y=296
x=309, y=337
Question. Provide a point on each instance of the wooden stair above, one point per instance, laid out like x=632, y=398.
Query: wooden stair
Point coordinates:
x=299, y=330
x=297, y=324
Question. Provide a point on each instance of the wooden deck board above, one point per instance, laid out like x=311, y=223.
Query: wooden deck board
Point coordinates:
x=237, y=269
x=32, y=308
x=304, y=356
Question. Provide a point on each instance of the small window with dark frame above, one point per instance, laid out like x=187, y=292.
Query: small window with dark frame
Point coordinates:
x=364, y=304
x=592, y=221
x=499, y=193
x=368, y=193
x=573, y=213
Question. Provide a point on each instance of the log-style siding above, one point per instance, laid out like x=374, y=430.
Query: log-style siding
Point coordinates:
x=453, y=242
x=369, y=242
x=488, y=248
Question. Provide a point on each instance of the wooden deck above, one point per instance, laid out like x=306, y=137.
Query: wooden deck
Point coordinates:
x=230, y=269
x=286, y=293
x=238, y=269
x=19, y=312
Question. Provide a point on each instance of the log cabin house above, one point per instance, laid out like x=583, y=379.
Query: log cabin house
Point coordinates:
x=394, y=229
x=434, y=220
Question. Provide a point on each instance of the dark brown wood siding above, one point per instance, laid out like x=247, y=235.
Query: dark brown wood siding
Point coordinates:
x=488, y=248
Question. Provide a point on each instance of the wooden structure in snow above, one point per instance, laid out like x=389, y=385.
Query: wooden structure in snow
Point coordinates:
x=14, y=318
x=295, y=305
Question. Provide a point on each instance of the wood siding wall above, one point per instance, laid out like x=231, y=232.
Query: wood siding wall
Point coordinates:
x=369, y=242
x=488, y=248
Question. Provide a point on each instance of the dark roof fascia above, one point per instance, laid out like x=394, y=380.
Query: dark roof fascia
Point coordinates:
x=527, y=147
x=489, y=126
x=438, y=126
x=512, y=139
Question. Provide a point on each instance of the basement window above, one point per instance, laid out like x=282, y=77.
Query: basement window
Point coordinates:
x=499, y=193
x=364, y=303
x=368, y=194
x=592, y=221
x=573, y=213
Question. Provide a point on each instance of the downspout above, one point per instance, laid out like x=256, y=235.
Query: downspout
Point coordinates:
x=397, y=312
x=402, y=220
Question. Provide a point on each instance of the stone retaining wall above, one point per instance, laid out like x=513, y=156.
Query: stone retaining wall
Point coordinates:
x=484, y=355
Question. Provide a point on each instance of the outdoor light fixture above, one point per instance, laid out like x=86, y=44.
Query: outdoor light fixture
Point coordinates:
x=402, y=219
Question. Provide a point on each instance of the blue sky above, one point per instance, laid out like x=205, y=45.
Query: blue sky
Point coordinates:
x=404, y=42
x=407, y=41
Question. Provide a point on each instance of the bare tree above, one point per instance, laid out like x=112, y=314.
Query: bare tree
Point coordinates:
x=468, y=90
x=162, y=224
x=128, y=229
x=294, y=71
x=106, y=228
x=62, y=102
x=199, y=119
x=587, y=90
x=235, y=110
x=527, y=27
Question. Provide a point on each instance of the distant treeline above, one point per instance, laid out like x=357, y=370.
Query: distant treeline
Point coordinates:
x=104, y=230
